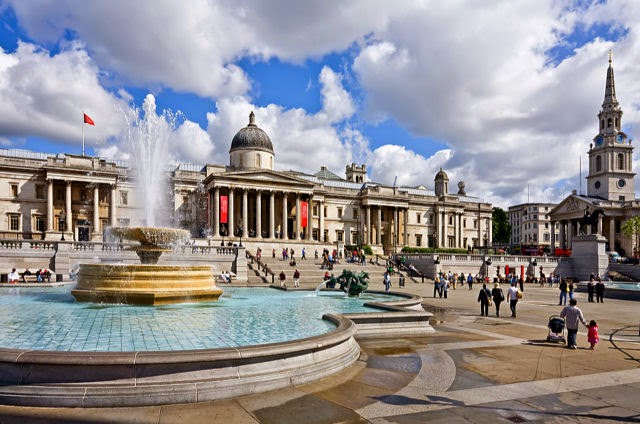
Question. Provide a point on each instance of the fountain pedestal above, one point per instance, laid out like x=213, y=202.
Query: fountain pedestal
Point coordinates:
x=146, y=283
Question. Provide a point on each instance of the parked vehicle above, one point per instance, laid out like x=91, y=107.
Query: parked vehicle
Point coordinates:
x=614, y=257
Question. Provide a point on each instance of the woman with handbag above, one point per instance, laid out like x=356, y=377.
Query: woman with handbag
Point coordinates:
x=498, y=297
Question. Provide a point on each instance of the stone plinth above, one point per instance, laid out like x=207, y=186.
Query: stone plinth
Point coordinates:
x=145, y=284
x=588, y=255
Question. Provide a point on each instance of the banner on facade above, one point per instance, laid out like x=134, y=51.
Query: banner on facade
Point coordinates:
x=224, y=208
x=304, y=213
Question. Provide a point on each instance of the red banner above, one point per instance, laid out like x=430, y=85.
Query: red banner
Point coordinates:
x=304, y=213
x=224, y=207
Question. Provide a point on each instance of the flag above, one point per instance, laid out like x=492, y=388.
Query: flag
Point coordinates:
x=224, y=205
x=88, y=120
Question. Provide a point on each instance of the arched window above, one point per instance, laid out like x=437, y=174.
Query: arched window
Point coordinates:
x=620, y=161
x=616, y=123
x=602, y=124
x=598, y=163
x=608, y=122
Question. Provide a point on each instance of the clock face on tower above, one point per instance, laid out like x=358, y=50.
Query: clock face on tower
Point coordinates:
x=599, y=140
x=619, y=138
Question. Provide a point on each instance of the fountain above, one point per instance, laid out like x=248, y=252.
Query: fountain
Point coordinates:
x=148, y=139
x=147, y=283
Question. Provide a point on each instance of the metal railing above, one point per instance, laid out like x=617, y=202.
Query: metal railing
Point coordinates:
x=262, y=267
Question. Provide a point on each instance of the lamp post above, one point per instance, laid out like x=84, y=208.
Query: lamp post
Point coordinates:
x=63, y=217
x=240, y=229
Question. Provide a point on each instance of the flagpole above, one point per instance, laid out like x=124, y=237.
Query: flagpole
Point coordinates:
x=83, y=134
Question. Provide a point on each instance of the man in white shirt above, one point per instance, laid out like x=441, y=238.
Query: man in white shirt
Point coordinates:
x=512, y=297
x=13, y=276
x=573, y=317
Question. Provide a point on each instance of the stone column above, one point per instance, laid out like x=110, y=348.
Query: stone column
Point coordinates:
x=230, y=215
x=490, y=231
x=298, y=226
x=396, y=227
x=245, y=210
x=379, y=227
x=96, y=207
x=259, y=214
x=570, y=227
x=553, y=238
x=368, y=225
x=68, y=223
x=600, y=225
x=562, y=235
x=321, y=229
x=612, y=234
x=405, y=235
x=216, y=212
x=49, y=205
x=456, y=229
x=285, y=229
x=112, y=206
x=445, y=228
x=272, y=214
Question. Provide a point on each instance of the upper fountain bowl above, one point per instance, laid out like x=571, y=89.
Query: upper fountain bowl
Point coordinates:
x=151, y=236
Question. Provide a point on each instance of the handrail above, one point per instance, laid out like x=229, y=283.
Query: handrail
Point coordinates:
x=264, y=266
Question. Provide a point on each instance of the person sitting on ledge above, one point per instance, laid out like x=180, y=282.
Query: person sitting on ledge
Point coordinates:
x=26, y=274
x=292, y=262
x=46, y=274
x=13, y=277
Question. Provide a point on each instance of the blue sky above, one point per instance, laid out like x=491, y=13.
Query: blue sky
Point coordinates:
x=492, y=93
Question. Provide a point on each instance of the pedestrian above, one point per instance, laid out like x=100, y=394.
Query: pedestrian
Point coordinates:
x=484, y=297
x=498, y=297
x=296, y=278
x=600, y=291
x=445, y=288
x=282, y=278
x=512, y=297
x=387, y=281
x=590, y=289
x=564, y=289
x=521, y=284
x=570, y=289
x=470, y=281
x=304, y=254
x=573, y=317
x=592, y=334
x=273, y=253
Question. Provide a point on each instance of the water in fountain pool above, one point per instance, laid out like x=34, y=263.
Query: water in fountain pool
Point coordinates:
x=50, y=319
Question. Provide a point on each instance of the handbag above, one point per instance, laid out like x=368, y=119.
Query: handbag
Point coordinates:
x=519, y=294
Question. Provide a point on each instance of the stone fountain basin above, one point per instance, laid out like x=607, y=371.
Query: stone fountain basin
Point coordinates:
x=151, y=236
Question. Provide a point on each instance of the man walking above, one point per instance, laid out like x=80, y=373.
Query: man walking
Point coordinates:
x=573, y=317
x=484, y=297
x=296, y=278
x=563, y=291
x=512, y=297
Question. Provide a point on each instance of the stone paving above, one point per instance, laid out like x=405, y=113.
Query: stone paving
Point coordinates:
x=473, y=369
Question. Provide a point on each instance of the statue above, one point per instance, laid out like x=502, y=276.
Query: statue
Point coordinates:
x=353, y=283
x=589, y=219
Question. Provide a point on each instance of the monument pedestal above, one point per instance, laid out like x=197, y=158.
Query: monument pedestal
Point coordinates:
x=588, y=254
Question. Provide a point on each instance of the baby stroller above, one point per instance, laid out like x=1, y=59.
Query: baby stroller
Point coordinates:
x=556, y=329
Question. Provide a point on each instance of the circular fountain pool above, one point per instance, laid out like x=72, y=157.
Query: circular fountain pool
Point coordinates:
x=50, y=319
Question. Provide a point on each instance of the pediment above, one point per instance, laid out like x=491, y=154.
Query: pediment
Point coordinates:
x=262, y=178
x=572, y=206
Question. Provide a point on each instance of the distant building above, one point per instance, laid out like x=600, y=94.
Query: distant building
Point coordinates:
x=531, y=224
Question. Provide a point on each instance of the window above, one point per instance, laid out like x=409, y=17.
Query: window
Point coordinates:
x=418, y=240
x=475, y=223
x=547, y=237
x=325, y=236
x=124, y=198
x=39, y=191
x=123, y=222
x=339, y=235
x=339, y=214
x=418, y=217
x=325, y=211
x=14, y=190
x=14, y=222
x=546, y=225
x=185, y=201
x=608, y=122
x=39, y=223
x=598, y=163
x=354, y=237
x=314, y=212
x=620, y=161
x=450, y=219
x=355, y=214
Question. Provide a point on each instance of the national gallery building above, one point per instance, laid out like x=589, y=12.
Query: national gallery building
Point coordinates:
x=44, y=196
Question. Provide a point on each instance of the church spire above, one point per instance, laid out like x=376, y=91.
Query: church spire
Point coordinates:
x=610, y=87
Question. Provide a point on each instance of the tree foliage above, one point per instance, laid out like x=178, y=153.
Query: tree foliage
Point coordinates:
x=501, y=228
x=631, y=229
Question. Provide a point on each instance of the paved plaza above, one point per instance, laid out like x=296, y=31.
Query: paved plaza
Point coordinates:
x=471, y=370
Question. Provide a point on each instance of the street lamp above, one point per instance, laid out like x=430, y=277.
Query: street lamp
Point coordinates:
x=240, y=229
x=63, y=217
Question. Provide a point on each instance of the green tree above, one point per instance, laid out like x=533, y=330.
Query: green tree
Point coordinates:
x=501, y=227
x=631, y=229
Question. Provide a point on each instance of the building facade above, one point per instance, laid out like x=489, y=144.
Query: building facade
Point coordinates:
x=610, y=183
x=531, y=224
x=77, y=198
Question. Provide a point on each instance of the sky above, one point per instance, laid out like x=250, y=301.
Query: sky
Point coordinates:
x=501, y=95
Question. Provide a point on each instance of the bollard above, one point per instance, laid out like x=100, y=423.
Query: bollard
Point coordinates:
x=401, y=281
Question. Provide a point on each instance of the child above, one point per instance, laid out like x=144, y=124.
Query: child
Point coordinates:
x=592, y=335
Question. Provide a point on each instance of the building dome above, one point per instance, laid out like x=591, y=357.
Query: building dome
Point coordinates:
x=251, y=138
x=441, y=175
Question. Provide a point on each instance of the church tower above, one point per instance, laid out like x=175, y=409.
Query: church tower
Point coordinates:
x=610, y=155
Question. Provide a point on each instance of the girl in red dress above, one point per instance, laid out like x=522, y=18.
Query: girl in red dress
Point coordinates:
x=592, y=334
